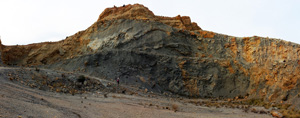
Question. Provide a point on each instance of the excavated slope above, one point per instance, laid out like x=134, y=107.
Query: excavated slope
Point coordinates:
x=171, y=54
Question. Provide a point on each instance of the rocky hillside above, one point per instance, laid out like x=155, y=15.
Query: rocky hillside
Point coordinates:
x=171, y=54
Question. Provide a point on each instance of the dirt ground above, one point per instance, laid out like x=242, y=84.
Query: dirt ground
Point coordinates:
x=17, y=100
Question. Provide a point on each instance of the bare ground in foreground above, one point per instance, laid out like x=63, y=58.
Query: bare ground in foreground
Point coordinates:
x=17, y=100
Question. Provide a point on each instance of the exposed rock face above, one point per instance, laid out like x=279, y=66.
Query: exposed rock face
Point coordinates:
x=142, y=13
x=171, y=54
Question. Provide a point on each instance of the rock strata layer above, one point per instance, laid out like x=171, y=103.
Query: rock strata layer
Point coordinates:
x=165, y=54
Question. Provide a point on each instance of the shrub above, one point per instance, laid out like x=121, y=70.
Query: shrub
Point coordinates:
x=105, y=95
x=175, y=107
x=37, y=69
x=81, y=79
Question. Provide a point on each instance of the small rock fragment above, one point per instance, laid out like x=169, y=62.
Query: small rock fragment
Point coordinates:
x=276, y=114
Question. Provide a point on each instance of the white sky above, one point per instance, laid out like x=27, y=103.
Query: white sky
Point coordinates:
x=32, y=21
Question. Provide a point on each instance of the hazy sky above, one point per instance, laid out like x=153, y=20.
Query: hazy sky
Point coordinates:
x=32, y=21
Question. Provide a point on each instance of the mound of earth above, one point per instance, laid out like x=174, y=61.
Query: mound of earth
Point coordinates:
x=170, y=54
x=48, y=80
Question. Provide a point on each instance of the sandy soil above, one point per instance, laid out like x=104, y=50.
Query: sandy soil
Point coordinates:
x=17, y=100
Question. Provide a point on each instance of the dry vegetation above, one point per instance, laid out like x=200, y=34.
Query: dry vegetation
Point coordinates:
x=175, y=107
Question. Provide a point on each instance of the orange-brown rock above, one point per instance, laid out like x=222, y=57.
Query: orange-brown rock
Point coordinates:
x=276, y=114
x=173, y=54
x=138, y=11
